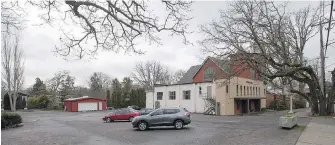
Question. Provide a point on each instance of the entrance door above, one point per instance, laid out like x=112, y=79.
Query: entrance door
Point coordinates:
x=209, y=92
x=100, y=105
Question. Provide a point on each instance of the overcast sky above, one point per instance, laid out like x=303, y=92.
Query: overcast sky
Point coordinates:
x=39, y=41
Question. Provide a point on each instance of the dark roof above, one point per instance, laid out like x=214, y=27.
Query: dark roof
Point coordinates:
x=188, y=77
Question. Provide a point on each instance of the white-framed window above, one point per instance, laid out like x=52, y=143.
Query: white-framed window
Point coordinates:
x=227, y=87
x=159, y=95
x=187, y=95
x=236, y=89
x=172, y=95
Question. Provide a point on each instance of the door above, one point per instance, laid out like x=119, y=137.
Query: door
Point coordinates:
x=87, y=106
x=100, y=105
x=156, y=118
x=209, y=92
x=169, y=116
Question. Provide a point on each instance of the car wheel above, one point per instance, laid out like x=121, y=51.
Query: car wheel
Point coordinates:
x=178, y=124
x=108, y=120
x=131, y=118
x=142, y=125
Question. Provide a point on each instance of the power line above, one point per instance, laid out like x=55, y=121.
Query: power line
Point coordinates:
x=330, y=19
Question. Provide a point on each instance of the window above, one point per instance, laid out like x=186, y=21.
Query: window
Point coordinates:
x=256, y=90
x=171, y=111
x=227, y=89
x=253, y=91
x=157, y=112
x=236, y=89
x=241, y=90
x=244, y=90
x=187, y=95
x=172, y=95
x=247, y=90
x=200, y=90
x=259, y=91
x=209, y=73
x=159, y=95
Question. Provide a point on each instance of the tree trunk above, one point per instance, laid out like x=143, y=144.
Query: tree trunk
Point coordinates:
x=13, y=105
x=314, y=106
x=322, y=104
x=10, y=95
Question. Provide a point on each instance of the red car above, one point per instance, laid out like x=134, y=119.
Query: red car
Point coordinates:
x=121, y=114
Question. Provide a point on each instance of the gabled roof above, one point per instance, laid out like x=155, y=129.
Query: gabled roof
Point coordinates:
x=224, y=65
x=83, y=98
x=188, y=77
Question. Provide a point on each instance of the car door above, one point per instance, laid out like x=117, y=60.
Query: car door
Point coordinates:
x=169, y=116
x=115, y=115
x=156, y=117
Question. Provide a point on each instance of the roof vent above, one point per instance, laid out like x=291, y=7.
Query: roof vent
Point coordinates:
x=85, y=96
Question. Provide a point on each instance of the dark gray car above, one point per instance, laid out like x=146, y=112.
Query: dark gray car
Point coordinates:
x=176, y=116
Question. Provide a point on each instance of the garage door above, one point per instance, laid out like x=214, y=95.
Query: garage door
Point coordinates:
x=87, y=106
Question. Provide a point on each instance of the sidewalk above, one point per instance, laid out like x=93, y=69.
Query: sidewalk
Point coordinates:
x=320, y=131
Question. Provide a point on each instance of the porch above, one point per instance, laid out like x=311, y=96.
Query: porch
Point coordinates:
x=246, y=106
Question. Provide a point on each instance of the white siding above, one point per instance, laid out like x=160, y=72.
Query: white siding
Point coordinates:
x=148, y=100
x=195, y=104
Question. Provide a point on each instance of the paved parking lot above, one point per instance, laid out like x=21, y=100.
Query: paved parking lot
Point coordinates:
x=87, y=128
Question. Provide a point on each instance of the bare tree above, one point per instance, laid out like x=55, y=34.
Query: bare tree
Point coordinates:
x=150, y=73
x=54, y=84
x=99, y=83
x=267, y=38
x=12, y=16
x=12, y=67
x=176, y=76
x=112, y=25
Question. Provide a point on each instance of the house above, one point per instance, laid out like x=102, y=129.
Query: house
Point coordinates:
x=84, y=103
x=222, y=87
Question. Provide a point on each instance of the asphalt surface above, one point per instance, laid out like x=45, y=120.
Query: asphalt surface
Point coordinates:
x=87, y=128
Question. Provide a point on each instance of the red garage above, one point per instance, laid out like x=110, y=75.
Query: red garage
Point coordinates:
x=84, y=104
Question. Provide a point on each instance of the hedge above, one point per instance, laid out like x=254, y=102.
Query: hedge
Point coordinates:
x=10, y=119
x=38, y=102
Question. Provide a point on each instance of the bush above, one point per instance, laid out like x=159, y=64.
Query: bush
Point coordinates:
x=298, y=104
x=9, y=119
x=38, y=102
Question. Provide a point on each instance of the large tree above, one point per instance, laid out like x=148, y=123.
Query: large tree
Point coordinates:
x=57, y=82
x=111, y=25
x=39, y=88
x=99, y=82
x=150, y=73
x=270, y=40
x=12, y=66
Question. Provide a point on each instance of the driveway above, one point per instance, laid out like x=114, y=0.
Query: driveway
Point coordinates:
x=87, y=128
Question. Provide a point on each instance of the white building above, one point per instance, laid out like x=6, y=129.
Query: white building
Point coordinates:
x=198, y=92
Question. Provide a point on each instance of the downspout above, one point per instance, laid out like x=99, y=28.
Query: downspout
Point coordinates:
x=195, y=98
x=153, y=99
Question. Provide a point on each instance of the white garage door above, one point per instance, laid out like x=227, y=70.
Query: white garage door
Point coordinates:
x=87, y=106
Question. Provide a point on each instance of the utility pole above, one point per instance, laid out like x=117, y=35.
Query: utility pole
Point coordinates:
x=322, y=52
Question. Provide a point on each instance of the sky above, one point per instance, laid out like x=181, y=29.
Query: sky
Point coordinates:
x=39, y=43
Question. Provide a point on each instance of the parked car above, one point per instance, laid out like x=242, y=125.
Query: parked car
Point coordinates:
x=121, y=114
x=177, y=117
x=134, y=107
x=145, y=111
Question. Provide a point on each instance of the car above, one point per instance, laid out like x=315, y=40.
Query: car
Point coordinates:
x=174, y=116
x=134, y=107
x=121, y=114
x=145, y=111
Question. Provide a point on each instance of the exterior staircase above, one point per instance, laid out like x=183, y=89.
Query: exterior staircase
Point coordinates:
x=209, y=106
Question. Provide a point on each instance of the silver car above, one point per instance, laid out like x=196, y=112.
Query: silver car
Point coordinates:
x=176, y=116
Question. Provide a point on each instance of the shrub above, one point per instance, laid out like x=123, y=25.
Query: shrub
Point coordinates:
x=38, y=102
x=9, y=119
